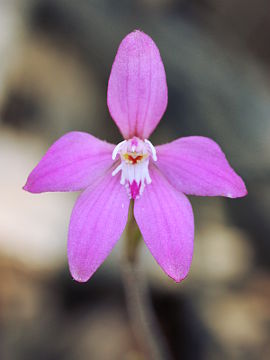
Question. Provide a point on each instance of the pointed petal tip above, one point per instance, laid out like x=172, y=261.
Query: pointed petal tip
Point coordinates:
x=239, y=194
x=30, y=188
x=27, y=187
x=177, y=278
x=179, y=272
x=239, y=189
x=243, y=192
x=137, y=33
x=80, y=278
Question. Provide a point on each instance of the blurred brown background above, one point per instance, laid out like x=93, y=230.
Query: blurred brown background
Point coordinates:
x=55, y=62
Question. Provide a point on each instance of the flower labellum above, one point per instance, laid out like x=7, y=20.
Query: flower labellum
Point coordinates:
x=110, y=176
x=134, y=156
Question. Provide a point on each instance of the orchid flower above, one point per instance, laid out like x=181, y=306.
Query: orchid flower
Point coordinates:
x=157, y=179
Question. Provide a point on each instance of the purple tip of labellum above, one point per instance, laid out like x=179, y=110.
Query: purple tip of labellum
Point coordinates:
x=135, y=189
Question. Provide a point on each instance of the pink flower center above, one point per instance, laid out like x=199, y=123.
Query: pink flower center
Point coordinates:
x=134, y=156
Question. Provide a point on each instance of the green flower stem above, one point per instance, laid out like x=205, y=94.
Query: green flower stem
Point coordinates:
x=142, y=317
x=133, y=237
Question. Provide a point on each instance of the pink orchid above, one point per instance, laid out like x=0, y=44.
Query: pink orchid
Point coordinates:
x=155, y=178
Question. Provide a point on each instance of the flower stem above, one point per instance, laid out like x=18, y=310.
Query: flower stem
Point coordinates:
x=142, y=317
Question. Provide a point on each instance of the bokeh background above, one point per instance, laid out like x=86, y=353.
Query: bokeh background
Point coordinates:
x=55, y=60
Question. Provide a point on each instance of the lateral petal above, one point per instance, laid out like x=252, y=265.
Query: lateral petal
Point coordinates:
x=71, y=164
x=137, y=89
x=165, y=219
x=97, y=222
x=196, y=165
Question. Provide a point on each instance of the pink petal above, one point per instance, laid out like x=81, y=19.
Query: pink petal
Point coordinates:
x=196, y=165
x=70, y=164
x=137, y=89
x=165, y=219
x=97, y=222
